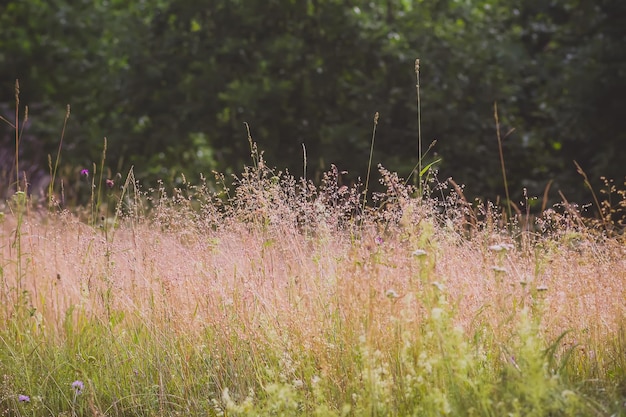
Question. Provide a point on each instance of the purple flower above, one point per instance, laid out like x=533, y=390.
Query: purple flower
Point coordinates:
x=23, y=398
x=84, y=173
x=109, y=183
x=379, y=240
x=78, y=386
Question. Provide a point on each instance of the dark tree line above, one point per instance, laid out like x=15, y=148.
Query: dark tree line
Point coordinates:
x=170, y=83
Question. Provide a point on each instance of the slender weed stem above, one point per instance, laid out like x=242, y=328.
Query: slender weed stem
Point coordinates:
x=506, y=184
x=53, y=172
x=99, y=195
x=17, y=135
x=369, y=164
x=304, y=162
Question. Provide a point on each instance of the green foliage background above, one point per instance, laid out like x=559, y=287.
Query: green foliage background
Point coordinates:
x=171, y=82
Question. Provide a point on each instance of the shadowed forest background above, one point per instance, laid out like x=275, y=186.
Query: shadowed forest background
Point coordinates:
x=170, y=84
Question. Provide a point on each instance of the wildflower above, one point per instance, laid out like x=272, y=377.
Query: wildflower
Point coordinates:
x=391, y=294
x=419, y=252
x=23, y=398
x=501, y=247
x=436, y=313
x=84, y=173
x=379, y=240
x=109, y=183
x=78, y=386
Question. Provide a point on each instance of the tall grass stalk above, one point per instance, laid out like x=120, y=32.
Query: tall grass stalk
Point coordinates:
x=17, y=135
x=95, y=213
x=502, y=167
x=419, y=124
x=19, y=206
x=369, y=162
x=304, y=161
x=53, y=169
x=254, y=155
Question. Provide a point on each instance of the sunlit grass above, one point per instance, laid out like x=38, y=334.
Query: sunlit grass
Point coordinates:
x=276, y=297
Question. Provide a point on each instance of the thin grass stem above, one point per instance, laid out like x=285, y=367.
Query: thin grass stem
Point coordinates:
x=419, y=123
x=369, y=164
x=58, y=158
x=17, y=135
x=506, y=184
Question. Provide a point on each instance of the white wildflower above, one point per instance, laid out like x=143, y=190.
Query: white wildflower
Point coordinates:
x=391, y=294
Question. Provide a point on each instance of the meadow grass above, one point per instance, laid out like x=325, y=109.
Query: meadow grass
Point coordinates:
x=272, y=296
x=276, y=297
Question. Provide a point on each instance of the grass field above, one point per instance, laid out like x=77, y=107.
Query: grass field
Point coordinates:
x=277, y=298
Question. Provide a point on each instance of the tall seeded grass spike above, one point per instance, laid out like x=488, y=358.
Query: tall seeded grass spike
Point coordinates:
x=419, y=122
x=17, y=134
